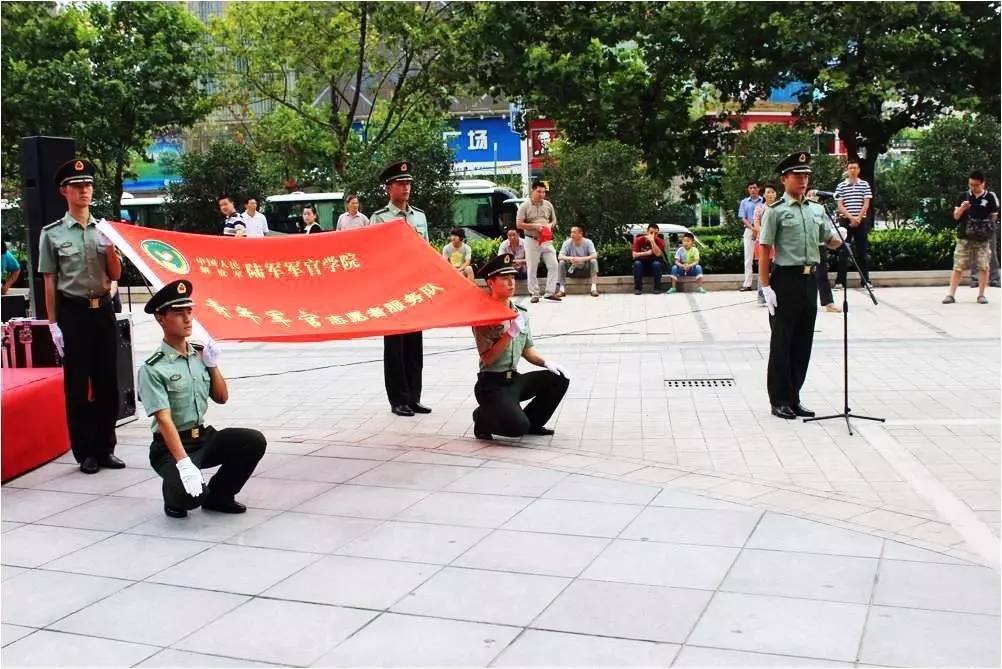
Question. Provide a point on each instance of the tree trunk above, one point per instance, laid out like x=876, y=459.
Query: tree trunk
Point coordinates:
x=116, y=205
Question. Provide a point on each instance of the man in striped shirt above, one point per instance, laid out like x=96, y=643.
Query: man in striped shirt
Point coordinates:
x=854, y=198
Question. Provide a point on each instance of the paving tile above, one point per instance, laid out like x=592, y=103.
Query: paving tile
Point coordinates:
x=694, y=656
x=436, y=458
x=558, y=649
x=34, y=545
x=533, y=553
x=114, y=514
x=170, y=658
x=7, y=526
x=894, y=550
x=38, y=598
x=531, y=482
x=693, y=526
x=239, y=569
x=203, y=525
x=415, y=542
x=352, y=581
x=594, y=489
x=54, y=649
x=420, y=642
x=938, y=586
x=915, y=638
x=358, y=452
x=457, y=508
x=150, y=613
x=624, y=610
x=151, y=488
x=277, y=631
x=128, y=556
x=482, y=596
x=11, y=633
x=411, y=476
x=652, y=563
x=28, y=506
x=103, y=483
x=593, y=519
x=363, y=501
x=269, y=493
x=43, y=474
x=326, y=470
x=686, y=500
x=11, y=572
x=781, y=532
x=806, y=575
x=781, y=625
x=304, y=532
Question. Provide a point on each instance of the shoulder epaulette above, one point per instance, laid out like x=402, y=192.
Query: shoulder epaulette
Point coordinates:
x=520, y=307
x=52, y=225
x=416, y=209
x=198, y=347
x=381, y=211
x=154, y=358
x=779, y=201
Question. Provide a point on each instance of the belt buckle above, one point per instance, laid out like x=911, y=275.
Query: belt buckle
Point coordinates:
x=507, y=375
x=194, y=433
x=94, y=302
x=807, y=269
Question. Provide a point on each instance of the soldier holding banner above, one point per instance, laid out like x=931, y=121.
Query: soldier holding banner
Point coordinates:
x=403, y=355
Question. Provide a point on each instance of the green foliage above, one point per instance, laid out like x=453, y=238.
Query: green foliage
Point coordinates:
x=894, y=202
x=755, y=156
x=603, y=187
x=226, y=168
x=677, y=213
x=911, y=249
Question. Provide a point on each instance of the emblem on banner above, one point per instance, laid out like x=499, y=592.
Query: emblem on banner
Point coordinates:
x=166, y=256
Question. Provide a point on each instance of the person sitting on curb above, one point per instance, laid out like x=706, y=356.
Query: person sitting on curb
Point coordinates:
x=577, y=254
x=515, y=247
x=458, y=253
x=648, y=253
x=687, y=264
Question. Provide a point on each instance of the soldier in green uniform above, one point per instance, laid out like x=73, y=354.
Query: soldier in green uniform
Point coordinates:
x=500, y=388
x=796, y=227
x=80, y=264
x=175, y=384
x=403, y=355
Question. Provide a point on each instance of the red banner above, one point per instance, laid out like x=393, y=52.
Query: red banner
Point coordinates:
x=377, y=280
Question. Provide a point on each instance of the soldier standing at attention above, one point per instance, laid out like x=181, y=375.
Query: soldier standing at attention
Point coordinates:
x=796, y=227
x=80, y=264
x=500, y=388
x=175, y=384
x=403, y=355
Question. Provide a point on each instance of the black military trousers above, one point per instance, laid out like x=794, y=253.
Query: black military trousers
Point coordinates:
x=500, y=411
x=403, y=360
x=90, y=357
x=237, y=449
x=792, y=333
x=860, y=246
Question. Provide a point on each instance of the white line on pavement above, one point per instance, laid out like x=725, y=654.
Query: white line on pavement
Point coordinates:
x=942, y=421
x=977, y=535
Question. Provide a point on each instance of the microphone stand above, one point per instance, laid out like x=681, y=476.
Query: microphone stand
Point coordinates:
x=846, y=411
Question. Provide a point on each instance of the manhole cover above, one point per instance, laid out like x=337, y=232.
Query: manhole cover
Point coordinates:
x=700, y=383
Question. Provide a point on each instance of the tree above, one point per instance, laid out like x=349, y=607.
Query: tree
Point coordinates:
x=893, y=202
x=603, y=187
x=332, y=63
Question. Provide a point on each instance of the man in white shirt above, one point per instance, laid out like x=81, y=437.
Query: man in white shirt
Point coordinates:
x=257, y=224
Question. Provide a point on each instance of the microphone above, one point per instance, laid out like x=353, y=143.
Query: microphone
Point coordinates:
x=825, y=193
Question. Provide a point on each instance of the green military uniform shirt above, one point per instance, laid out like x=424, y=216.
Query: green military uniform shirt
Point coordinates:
x=487, y=335
x=169, y=380
x=414, y=216
x=72, y=252
x=796, y=229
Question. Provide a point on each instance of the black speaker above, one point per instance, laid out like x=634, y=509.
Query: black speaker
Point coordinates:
x=13, y=306
x=126, y=375
x=41, y=201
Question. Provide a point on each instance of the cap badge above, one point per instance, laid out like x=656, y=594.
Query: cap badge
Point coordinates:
x=78, y=166
x=803, y=158
x=507, y=258
x=403, y=167
x=181, y=289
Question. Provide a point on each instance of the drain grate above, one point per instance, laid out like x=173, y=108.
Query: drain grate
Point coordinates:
x=700, y=383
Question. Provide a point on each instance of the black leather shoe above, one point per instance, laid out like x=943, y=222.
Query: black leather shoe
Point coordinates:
x=223, y=506
x=111, y=462
x=419, y=408
x=175, y=513
x=481, y=433
x=801, y=410
x=402, y=410
x=90, y=466
x=636, y=292
x=783, y=411
x=540, y=431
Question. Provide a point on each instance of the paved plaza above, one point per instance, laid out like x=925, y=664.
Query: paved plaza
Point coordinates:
x=670, y=521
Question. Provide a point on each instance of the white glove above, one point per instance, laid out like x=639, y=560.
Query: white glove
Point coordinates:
x=211, y=354
x=557, y=369
x=57, y=337
x=102, y=239
x=770, y=299
x=515, y=326
x=191, y=477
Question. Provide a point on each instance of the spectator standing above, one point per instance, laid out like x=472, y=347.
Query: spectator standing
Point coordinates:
x=515, y=247
x=687, y=264
x=311, y=223
x=746, y=213
x=458, y=253
x=352, y=218
x=648, y=251
x=11, y=269
x=536, y=216
x=977, y=211
x=233, y=223
x=256, y=222
x=768, y=197
x=576, y=253
x=854, y=199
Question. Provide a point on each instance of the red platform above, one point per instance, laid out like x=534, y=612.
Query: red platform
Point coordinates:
x=34, y=419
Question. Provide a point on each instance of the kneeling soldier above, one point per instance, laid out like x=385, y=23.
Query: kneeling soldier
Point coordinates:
x=175, y=384
x=500, y=388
